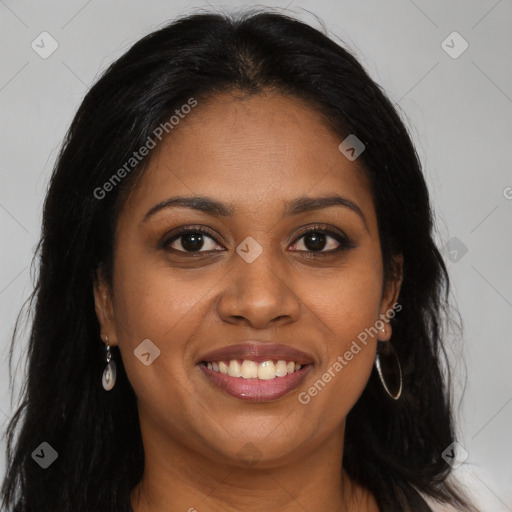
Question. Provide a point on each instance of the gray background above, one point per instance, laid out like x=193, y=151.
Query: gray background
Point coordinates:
x=459, y=111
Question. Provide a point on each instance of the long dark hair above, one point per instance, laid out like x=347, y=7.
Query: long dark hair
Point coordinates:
x=392, y=448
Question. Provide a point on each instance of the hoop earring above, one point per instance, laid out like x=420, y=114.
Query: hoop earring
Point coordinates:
x=109, y=373
x=390, y=371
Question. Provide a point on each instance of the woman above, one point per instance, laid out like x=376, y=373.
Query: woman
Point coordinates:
x=239, y=298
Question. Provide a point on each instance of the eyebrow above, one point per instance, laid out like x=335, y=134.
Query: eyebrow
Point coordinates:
x=213, y=207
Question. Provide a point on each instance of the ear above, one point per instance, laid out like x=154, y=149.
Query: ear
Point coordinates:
x=103, y=306
x=393, y=285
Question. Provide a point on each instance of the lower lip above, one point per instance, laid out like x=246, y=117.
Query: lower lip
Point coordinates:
x=257, y=390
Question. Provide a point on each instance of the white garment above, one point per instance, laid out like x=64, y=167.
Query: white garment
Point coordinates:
x=439, y=507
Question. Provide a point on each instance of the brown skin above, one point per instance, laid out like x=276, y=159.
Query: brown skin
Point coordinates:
x=254, y=153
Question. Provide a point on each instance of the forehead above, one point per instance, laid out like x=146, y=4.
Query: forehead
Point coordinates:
x=255, y=152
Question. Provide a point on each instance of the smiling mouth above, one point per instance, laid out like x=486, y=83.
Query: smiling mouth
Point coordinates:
x=255, y=381
x=248, y=369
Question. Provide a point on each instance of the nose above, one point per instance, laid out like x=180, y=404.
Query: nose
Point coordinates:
x=258, y=293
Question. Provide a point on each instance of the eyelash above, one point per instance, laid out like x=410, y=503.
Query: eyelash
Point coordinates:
x=342, y=239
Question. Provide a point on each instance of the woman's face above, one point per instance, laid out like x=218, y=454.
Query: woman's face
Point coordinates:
x=260, y=272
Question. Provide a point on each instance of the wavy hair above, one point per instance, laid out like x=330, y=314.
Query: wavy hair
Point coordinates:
x=392, y=448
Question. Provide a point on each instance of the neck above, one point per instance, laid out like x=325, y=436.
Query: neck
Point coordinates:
x=189, y=481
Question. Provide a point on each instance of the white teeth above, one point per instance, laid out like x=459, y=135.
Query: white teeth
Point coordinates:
x=281, y=370
x=249, y=370
x=234, y=369
x=266, y=370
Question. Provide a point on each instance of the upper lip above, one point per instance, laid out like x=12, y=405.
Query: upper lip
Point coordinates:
x=258, y=351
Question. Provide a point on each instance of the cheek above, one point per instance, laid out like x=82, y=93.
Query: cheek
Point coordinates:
x=347, y=307
x=347, y=301
x=155, y=301
x=151, y=304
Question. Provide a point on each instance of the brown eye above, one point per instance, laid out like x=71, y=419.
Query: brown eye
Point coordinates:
x=322, y=240
x=192, y=240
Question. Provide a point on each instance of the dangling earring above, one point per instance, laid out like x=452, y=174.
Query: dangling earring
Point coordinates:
x=388, y=366
x=109, y=373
